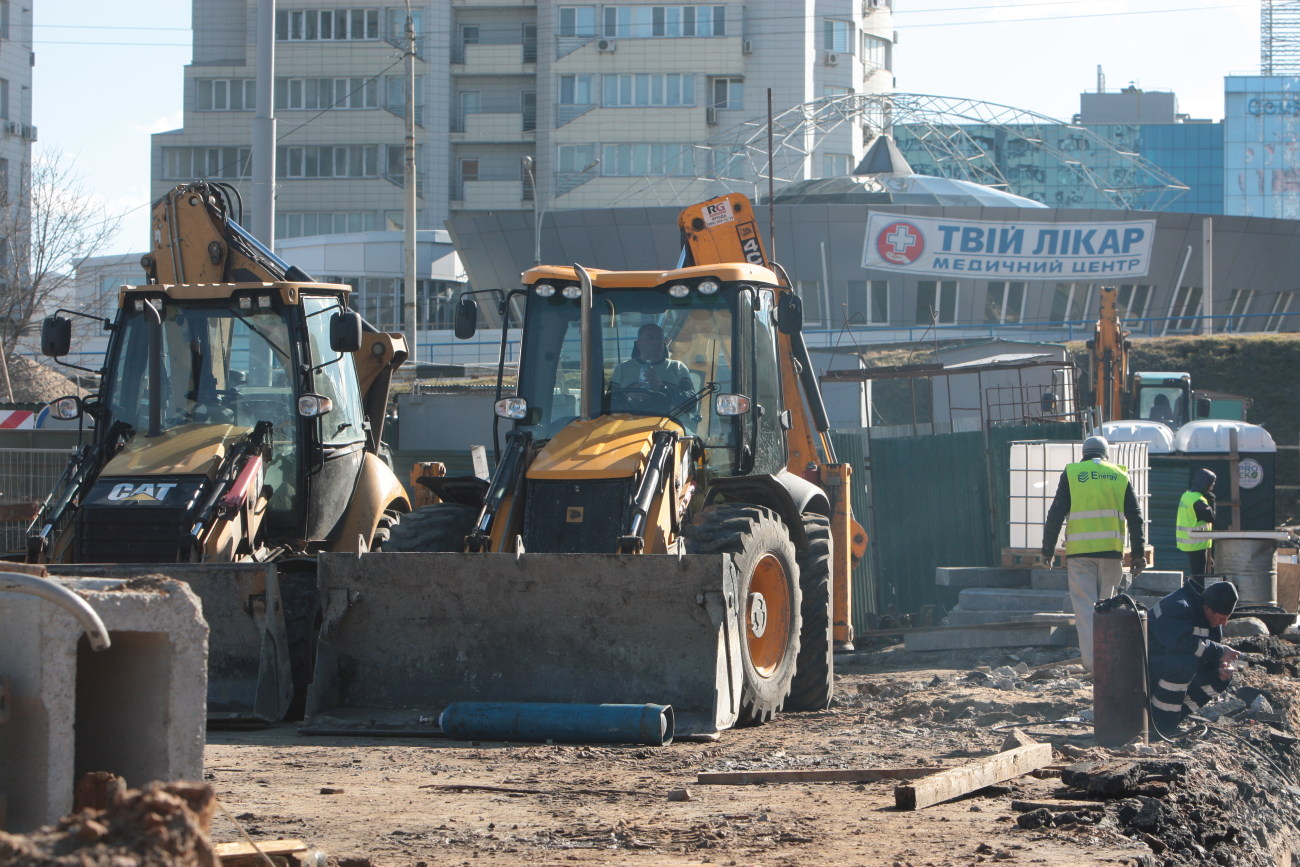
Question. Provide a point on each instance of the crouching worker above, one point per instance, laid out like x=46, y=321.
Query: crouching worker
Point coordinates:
x=1188, y=663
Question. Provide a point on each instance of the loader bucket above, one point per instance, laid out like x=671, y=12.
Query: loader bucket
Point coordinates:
x=405, y=635
x=249, y=679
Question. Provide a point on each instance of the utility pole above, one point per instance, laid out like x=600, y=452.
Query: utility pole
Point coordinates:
x=409, y=307
x=264, y=128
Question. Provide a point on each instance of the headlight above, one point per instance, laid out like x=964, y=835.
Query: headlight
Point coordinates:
x=708, y=287
x=573, y=290
x=511, y=407
x=679, y=290
x=312, y=405
x=544, y=290
x=731, y=404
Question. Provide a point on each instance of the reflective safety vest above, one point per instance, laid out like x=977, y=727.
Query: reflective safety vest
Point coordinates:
x=1187, y=521
x=1096, y=520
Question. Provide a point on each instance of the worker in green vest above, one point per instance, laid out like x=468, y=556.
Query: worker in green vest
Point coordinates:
x=1196, y=512
x=1095, y=501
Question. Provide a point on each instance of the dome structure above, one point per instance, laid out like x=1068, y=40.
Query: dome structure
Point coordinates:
x=884, y=177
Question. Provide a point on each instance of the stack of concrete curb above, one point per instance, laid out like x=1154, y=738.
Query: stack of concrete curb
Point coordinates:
x=1018, y=607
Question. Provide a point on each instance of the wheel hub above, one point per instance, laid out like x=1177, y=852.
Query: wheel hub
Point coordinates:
x=757, y=614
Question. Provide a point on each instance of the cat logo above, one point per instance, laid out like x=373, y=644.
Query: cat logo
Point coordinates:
x=573, y=514
x=145, y=492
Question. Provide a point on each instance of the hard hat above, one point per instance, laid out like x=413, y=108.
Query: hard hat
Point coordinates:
x=1096, y=447
x=1221, y=596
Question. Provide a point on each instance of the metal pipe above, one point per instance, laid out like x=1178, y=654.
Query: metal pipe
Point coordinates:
x=650, y=724
x=155, y=368
x=586, y=369
x=52, y=591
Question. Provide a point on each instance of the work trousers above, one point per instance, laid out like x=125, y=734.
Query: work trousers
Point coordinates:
x=1199, y=562
x=1181, y=684
x=1091, y=578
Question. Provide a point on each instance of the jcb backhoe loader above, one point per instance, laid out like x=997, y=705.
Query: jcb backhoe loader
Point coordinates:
x=236, y=435
x=678, y=538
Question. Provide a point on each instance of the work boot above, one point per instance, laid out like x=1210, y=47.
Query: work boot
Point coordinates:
x=1165, y=722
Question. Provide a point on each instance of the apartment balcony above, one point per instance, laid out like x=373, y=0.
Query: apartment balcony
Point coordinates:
x=491, y=127
x=498, y=59
x=491, y=195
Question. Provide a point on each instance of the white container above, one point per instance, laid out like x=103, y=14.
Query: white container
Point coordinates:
x=1158, y=437
x=1035, y=472
x=1212, y=436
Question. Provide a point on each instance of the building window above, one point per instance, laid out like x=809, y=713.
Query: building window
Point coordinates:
x=331, y=93
x=1238, y=306
x=727, y=93
x=658, y=159
x=868, y=302
x=810, y=293
x=1070, y=302
x=4, y=19
x=575, y=90
x=1186, y=310
x=574, y=159
x=577, y=21
x=303, y=224
x=225, y=94
x=187, y=164
x=936, y=302
x=837, y=35
x=528, y=107
x=648, y=90
x=1132, y=301
x=641, y=22
x=1276, y=316
x=311, y=25
x=529, y=36
x=343, y=161
x=836, y=165
x=4, y=98
x=395, y=94
x=875, y=52
x=397, y=25
x=1005, y=302
x=834, y=90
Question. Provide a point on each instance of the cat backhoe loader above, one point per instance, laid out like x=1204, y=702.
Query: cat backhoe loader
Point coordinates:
x=236, y=435
x=682, y=540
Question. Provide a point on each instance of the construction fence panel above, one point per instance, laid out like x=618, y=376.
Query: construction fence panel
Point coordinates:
x=27, y=475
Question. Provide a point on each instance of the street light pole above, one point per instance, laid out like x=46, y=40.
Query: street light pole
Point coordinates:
x=529, y=165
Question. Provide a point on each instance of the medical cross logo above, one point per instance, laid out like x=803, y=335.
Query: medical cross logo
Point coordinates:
x=900, y=243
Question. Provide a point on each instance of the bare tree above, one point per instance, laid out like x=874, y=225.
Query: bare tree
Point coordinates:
x=49, y=223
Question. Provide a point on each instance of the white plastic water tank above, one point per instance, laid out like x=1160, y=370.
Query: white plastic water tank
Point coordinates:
x=1158, y=436
x=1211, y=435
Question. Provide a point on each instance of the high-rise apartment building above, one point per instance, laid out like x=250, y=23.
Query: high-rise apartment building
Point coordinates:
x=600, y=97
x=16, y=130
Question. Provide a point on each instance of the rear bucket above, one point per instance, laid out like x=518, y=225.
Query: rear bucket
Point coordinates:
x=405, y=635
x=249, y=677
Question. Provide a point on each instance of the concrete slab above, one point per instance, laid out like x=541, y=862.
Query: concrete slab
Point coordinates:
x=136, y=709
x=959, y=617
x=967, y=639
x=1150, y=582
x=980, y=576
x=1012, y=599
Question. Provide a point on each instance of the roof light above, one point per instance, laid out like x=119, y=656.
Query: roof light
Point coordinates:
x=511, y=407
x=572, y=290
x=245, y=303
x=264, y=301
x=708, y=287
x=679, y=290
x=543, y=290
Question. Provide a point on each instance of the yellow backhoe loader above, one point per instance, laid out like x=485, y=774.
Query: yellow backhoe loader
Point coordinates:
x=669, y=530
x=236, y=435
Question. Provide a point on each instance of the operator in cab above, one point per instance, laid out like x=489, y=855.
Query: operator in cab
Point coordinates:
x=650, y=367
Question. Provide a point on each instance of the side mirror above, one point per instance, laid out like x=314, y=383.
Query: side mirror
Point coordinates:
x=1202, y=407
x=56, y=336
x=789, y=313
x=345, y=331
x=65, y=408
x=466, y=318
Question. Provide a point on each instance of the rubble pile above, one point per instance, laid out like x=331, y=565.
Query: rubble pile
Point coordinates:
x=162, y=825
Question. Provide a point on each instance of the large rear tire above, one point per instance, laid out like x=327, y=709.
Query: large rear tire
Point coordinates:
x=814, y=676
x=769, y=615
x=438, y=527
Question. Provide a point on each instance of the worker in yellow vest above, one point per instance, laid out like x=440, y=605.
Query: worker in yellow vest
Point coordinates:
x=1094, y=500
x=1196, y=512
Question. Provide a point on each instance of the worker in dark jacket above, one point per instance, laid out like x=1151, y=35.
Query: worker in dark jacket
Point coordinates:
x=1097, y=499
x=1196, y=512
x=1188, y=663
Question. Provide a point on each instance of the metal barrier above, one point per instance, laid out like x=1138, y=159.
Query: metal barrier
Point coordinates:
x=26, y=478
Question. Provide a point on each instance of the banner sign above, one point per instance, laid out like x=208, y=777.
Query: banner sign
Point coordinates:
x=937, y=247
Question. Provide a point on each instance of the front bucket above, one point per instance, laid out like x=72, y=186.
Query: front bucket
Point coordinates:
x=249, y=677
x=405, y=635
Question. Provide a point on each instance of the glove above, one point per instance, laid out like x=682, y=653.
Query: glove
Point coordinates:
x=1049, y=558
x=1137, y=561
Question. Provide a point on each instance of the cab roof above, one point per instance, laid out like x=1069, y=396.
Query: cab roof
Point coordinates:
x=739, y=272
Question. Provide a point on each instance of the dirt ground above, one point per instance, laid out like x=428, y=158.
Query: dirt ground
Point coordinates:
x=1224, y=794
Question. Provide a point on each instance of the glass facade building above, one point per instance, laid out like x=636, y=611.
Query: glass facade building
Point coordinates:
x=1261, y=128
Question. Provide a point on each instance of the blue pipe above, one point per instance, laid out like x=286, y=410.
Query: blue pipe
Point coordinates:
x=650, y=724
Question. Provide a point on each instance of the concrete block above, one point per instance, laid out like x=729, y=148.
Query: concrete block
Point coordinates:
x=136, y=709
x=1148, y=583
x=979, y=576
x=967, y=639
x=959, y=617
x=1012, y=599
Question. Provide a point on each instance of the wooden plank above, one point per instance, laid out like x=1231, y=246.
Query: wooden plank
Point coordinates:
x=822, y=775
x=1057, y=806
x=946, y=785
x=1008, y=624
x=240, y=850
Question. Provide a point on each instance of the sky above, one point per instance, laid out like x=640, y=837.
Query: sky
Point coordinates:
x=108, y=75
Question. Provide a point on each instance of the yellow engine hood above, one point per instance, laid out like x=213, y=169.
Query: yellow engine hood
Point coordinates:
x=608, y=447
x=191, y=449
